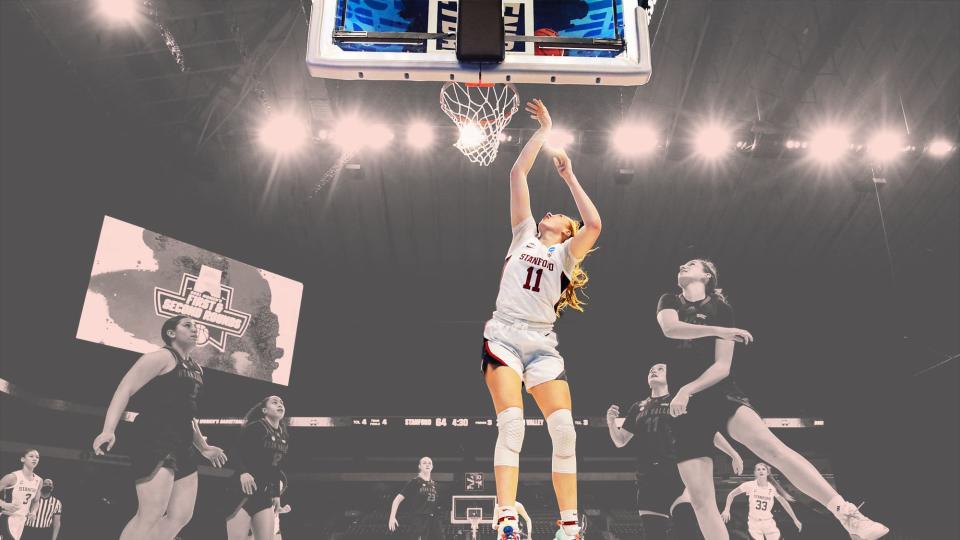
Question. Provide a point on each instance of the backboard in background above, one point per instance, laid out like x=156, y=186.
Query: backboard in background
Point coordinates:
x=587, y=42
x=461, y=504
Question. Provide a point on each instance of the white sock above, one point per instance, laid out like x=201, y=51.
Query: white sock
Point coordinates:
x=507, y=512
x=569, y=516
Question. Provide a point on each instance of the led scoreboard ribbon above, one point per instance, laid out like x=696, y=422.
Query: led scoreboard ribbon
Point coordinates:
x=389, y=422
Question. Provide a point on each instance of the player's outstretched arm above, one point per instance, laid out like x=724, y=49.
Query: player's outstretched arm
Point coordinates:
x=789, y=509
x=718, y=371
x=519, y=191
x=587, y=236
x=726, y=509
x=674, y=328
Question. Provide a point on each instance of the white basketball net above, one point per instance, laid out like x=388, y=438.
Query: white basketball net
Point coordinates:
x=481, y=112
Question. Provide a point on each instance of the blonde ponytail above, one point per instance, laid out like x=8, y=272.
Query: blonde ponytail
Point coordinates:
x=569, y=298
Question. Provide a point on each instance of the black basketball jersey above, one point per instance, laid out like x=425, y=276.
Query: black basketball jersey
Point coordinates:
x=650, y=423
x=172, y=398
x=689, y=358
x=422, y=496
x=261, y=449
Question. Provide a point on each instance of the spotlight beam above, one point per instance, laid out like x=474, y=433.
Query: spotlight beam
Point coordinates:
x=829, y=144
x=283, y=133
x=712, y=141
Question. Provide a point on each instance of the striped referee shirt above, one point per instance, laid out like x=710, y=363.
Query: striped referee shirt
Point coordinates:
x=47, y=507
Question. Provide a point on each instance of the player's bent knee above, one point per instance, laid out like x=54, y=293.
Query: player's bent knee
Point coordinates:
x=511, y=428
x=564, y=437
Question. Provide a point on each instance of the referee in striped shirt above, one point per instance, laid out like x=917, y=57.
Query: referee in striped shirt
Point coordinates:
x=45, y=524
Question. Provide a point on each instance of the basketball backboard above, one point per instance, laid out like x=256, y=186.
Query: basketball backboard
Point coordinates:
x=595, y=42
x=466, y=508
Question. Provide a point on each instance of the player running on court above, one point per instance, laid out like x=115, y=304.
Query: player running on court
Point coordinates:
x=762, y=491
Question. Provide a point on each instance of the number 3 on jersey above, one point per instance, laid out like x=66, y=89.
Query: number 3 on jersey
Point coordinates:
x=536, y=286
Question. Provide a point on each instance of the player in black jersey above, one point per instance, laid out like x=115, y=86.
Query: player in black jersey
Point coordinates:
x=707, y=400
x=660, y=491
x=167, y=383
x=424, y=502
x=257, y=482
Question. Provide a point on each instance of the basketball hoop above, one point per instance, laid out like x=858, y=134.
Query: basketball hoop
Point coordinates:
x=481, y=111
x=474, y=516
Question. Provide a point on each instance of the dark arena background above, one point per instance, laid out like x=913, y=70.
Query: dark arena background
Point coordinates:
x=847, y=274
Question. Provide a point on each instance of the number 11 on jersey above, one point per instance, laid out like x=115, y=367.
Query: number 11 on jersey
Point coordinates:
x=536, y=286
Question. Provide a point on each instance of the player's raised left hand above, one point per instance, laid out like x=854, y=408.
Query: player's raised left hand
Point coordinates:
x=538, y=111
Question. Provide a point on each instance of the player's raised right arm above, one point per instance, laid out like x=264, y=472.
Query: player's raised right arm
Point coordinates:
x=519, y=192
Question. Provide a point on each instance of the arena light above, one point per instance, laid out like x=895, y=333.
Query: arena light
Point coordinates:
x=283, y=133
x=712, y=141
x=560, y=139
x=940, y=147
x=378, y=136
x=118, y=11
x=349, y=134
x=794, y=144
x=634, y=139
x=419, y=135
x=828, y=144
x=885, y=146
x=470, y=136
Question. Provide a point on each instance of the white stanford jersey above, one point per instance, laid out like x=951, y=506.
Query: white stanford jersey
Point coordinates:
x=533, y=276
x=23, y=492
x=761, y=500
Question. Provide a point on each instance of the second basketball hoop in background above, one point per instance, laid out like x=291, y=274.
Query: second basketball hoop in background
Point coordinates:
x=481, y=112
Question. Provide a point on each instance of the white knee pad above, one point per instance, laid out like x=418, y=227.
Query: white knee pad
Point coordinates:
x=564, y=437
x=510, y=427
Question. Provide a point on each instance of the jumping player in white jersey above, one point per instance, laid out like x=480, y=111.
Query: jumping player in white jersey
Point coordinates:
x=540, y=277
x=20, y=489
x=762, y=491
